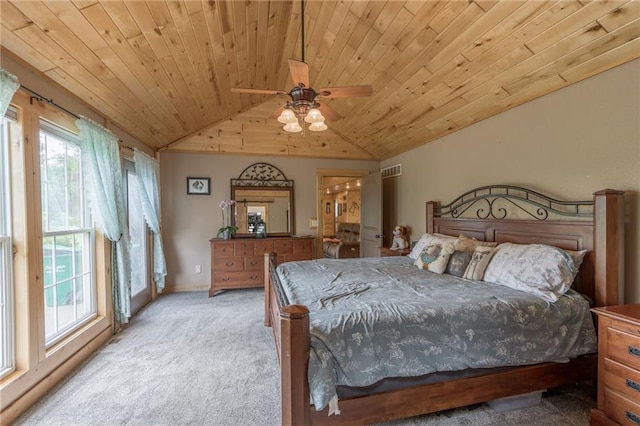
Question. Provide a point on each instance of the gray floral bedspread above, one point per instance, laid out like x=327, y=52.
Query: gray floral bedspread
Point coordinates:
x=372, y=318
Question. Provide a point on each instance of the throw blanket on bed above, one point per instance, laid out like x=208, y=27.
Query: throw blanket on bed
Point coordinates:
x=372, y=318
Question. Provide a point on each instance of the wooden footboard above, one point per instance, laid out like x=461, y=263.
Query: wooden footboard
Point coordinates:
x=291, y=335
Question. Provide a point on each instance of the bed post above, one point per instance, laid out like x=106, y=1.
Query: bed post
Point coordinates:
x=267, y=288
x=431, y=209
x=294, y=356
x=609, y=247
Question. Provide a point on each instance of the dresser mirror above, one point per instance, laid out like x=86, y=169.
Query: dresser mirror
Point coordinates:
x=263, y=193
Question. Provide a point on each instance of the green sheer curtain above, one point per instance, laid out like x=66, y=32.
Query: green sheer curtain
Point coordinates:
x=147, y=174
x=8, y=86
x=102, y=170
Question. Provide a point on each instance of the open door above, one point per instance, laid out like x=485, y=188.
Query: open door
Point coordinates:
x=371, y=215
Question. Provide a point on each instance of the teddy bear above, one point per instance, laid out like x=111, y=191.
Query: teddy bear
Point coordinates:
x=400, y=240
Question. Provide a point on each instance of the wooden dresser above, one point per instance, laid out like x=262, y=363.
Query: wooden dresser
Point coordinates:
x=618, y=366
x=239, y=263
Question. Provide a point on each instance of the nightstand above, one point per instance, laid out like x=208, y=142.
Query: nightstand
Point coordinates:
x=386, y=252
x=618, y=366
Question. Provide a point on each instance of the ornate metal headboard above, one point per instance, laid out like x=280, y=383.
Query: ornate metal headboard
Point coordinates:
x=487, y=202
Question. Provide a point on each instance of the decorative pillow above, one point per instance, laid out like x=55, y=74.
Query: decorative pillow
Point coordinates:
x=464, y=243
x=458, y=263
x=428, y=255
x=439, y=265
x=427, y=239
x=538, y=269
x=479, y=261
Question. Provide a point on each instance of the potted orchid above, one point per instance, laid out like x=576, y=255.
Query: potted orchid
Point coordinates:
x=227, y=229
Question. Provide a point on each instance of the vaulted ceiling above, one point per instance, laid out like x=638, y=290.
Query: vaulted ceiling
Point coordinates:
x=163, y=70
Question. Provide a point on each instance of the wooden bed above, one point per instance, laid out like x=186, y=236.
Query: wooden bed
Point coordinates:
x=593, y=225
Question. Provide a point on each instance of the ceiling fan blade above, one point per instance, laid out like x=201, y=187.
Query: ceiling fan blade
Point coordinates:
x=329, y=113
x=299, y=72
x=346, y=91
x=257, y=91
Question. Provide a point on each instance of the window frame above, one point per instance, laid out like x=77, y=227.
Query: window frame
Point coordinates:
x=89, y=237
x=7, y=300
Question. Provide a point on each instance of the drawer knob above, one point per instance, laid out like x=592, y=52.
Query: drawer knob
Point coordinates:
x=254, y=277
x=633, y=385
x=229, y=264
x=633, y=417
x=253, y=263
x=225, y=279
x=634, y=351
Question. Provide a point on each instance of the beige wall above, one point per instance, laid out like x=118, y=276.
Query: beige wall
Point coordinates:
x=568, y=144
x=189, y=221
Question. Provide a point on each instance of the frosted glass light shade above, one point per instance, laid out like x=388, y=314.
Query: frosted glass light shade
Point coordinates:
x=314, y=116
x=292, y=127
x=318, y=127
x=287, y=116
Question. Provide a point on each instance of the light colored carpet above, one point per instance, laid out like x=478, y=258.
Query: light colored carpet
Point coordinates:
x=188, y=359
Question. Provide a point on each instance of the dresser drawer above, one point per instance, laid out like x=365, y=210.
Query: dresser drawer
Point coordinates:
x=302, y=246
x=263, y=246
x=253, y=263
x=624, y=348
x=223, y=249
x=245, y=248
x=239, y=279
x=622, y=380
x=632, y=329
x=621, y=409
x=296, y=256
x=228, y=264
x=283, y=246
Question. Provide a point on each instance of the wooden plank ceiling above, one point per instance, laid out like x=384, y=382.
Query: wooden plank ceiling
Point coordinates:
x=163, y=70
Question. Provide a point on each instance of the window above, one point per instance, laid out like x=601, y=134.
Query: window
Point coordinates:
x=68, y=245
x=7, y=323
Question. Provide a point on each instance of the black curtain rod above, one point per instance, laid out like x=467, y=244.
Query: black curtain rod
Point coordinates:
x=49, y=101
x=41, y=98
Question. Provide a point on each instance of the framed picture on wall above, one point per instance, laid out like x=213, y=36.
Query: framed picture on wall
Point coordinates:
x=339, y=209
x=198, y=186
x=327, y=208
x=344, y=207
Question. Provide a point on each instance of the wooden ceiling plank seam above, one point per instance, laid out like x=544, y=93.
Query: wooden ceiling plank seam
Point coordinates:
x=607, y=60
x=252, y=43
x=490, y=70
x=572, y=23
x=329, y=66
x=526, y=22
x=159, y=13
x=81, y=4
x=12, y=43
x=218, y=54
x=240, y=40
x=446, y=15
x=51, y=28
x=280, y=27
x=192, y=32
x=318, y=34
x=203, y=129
x=473, y=31
x=116, y=112
x=552, y=53
x=123, y=19
x=141, y=15
x=451, y=32
x=486, y=5
x=365, y=23
x=13, y=18
x=387, y=15
x=75, y=21
x=620, y=16
x=186, y=70
x=262, y=73
x=123, y=62
x=208, y=70
x=594, y=41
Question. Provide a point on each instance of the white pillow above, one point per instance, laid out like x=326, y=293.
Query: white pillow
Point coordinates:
x=538, y=269
x=428, y=239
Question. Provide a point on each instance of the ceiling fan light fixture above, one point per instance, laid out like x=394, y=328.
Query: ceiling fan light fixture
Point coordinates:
x=292, y=127
x=318, y=126
x=287, y=116
x=314, y=116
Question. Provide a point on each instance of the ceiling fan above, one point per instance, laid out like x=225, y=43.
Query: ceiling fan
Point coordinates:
x=302, y=100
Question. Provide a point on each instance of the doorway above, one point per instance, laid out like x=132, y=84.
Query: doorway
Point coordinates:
x=139, y=232
x=338, y=200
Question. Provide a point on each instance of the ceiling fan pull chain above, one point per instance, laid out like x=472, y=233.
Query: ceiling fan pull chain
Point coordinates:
x=302, y=25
